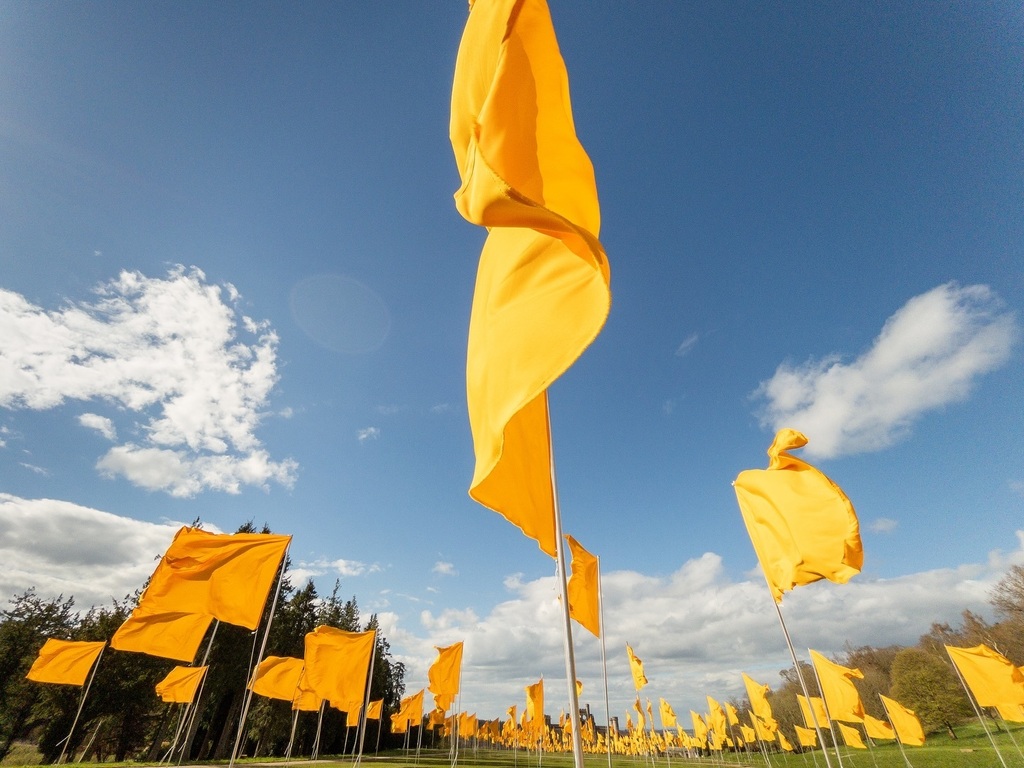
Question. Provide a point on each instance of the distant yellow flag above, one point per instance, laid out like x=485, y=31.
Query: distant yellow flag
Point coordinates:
x=851, y=736
x=878, y=729
x=338, y=663
x=700, y=728
x=444, y=675
x=992, y=678
x=66, y=662
x=636, y=668
x=180, y=685
x=731, y=714
x=668, y=716
x=375, y=710
x=716, y=717
x=410, y=711
x=584, y=597
x=542, y=291
x=168, y=635
x=227, y=576
x=802, y=525
x=784, y=742
x=277, y=677
x=764, y=730
x=534, y=713
x=818, y=707
x=757, y=693
x=808, y=737
x=641, y=721
x=748, y=734
x=904, y=722
x=841, y=697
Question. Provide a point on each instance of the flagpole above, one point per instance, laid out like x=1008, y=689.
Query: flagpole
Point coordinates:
x=366, y=703
x=247, y=700
x=81, y=703
x=291, y=738
x=194, y=710
x=976, y=710
x=604, y=665
x=824, y=703
x=899, y=741
x=319, y=724
x=563, y=588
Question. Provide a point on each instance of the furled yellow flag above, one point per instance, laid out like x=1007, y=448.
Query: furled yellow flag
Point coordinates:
x=641, y=721
x=584, y=600
x=636, y=668
x=700, y=728
x=444, y=675
x=992, y=678
x=277, y=677
x=534, y=713
x=851, y=736
x=748, y=734
x=716, y=717
x=758, y=695
x=338, y=663
x=542, y=285
x=180, y=685
x=904, y=722
x=802, y=525
x=668, y=716
x=168, y=635
x=764, y=731
x=877, y=729
x=808, y=737
x=227, y=576
x=841, y=698
x=818, y=710
x=65, y=661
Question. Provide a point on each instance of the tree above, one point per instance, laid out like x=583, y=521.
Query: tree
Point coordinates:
x=927, y=684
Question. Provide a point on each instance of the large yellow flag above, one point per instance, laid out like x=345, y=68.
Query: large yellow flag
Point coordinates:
x=904, y=722
x=542, y=285
x=227, y=576
x=818, y=710
x=444, y=675
x=802, y=525
x=841, y=698
x=636, y=668
x=65, y=661
x=168, y=635
x=992, y=678
x=584, y=598
x=851, y=736
x=180, y=685
x=338, y=663
x=277, y=677
x=757, y=693
x=808, y=737
x=668, y=716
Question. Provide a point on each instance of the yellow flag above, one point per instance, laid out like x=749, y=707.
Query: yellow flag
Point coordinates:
x=731, y=714
x=784, y=742
x=748, y=734
x=534, y=713
x=584, y=598
x=808, y=737
x=1011, y=713
x=992, y=678
x=374, y=711
x=851, y=736
x=410, y=711
x=180, y=685
x=65, y=661
x=227, y=576
x=841, y=698
x=168, y=635
x=668, y=716
x=802, y=525
x=444, y=675
x=338, y=663
x=904, y=722
x=716, y=717
x=542, y=285
x=878, y=729
x=819, y=710
x=700, y=728
x=758, y=695
x=277, y=677
x=305, y=698
x=636, y=667
x=641, y=722
x=764, y=730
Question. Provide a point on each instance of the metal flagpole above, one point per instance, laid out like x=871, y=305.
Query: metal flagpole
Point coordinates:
x=898, y=740
x=563, y=588
x=831, y=727
x=366, y=704
x=194, y=709
x=81, y=703
x=604, y=664
x=319, y=723
x=263, y=648
x=291, y=738
x=976, y=710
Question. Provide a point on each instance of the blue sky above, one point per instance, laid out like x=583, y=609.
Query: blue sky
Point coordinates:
x=234, y=286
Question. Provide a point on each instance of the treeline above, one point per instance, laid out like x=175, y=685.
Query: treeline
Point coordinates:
x=123, y=719
x=921, y=677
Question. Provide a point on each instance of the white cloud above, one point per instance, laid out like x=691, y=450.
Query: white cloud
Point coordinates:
x=62, y=548
x=101, y=424
x=33, y=468
x=882, y=525
x=388, y=410
x=928, y=354
x=444, y=569
x=370, y=433
x=687, y=345
x=440, y=408
x=166, y=351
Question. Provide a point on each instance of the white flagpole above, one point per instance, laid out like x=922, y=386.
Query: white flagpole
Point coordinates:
x=319, y=723
x=563, y=588
x=604, y=665
x=81, y=703
x=976, y=710
x=263, y=648
x=366, y=704
x=194, y=709
x=291, y=738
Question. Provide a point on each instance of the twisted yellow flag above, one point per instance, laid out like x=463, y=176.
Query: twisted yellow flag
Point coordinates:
x=180, y=685
x=542, y=291
x=802, y=525
x=584, y=597
x=636, y=668
x=65, y=662
x=813, y=709
x=668, y=715
x=444, y=675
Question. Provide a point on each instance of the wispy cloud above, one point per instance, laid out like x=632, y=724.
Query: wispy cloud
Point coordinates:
x=929, y=354
x=166, y=351
x=440, y=408
x=882, y=525
x=369, y=433
x=687, y=345
x=444, y=569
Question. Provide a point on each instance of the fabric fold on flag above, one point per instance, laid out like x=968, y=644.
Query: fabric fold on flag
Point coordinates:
x=542, y=292
x=841, y=697
x=65, y=662
x=803, y=527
